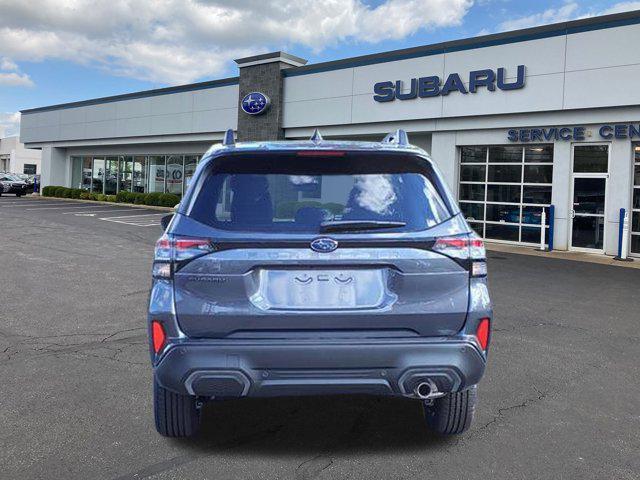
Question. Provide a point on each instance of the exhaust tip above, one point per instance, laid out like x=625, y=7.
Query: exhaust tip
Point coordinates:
x=423, y=390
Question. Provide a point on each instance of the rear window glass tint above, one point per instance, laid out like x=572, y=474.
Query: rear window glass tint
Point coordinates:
x=301, y=196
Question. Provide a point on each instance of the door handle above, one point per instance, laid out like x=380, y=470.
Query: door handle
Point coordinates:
x=573, y=214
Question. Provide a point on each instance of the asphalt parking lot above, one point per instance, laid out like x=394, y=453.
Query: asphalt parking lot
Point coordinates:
x=560, y=399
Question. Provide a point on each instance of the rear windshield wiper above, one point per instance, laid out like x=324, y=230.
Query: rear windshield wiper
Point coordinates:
x=355, y=225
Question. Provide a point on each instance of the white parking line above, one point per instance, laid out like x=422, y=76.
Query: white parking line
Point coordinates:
x=143, y=215
x=108, y=210
x=4, y=204
x=136, y=220
x=60, y=208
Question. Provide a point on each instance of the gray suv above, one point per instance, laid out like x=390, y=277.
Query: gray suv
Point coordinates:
x=318, y=268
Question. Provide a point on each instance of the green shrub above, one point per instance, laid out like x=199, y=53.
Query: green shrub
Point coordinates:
x=153, y=198
x=162, y=199
x=125, y=197
x=169, y=200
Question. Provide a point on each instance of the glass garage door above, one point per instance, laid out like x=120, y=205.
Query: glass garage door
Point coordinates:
x=503, y=190
x=635, y=213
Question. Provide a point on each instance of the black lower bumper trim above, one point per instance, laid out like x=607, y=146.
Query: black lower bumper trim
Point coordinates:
x=232, y=368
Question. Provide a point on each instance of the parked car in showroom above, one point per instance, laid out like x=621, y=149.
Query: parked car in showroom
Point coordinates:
x=12, y=184
x=378, y=286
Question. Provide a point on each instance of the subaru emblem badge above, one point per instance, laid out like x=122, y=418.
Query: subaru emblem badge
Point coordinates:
x=324, y=245
x=255, y=103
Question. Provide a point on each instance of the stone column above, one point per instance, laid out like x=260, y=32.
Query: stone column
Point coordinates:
x=263, y=73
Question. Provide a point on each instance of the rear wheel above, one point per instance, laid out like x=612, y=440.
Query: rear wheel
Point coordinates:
x=453, y=413
x=175, y=415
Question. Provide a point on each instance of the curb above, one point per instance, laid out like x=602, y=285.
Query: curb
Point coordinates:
x=132, y=205
x=560, y=254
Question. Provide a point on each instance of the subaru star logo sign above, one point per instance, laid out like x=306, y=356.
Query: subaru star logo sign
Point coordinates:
x=255, y=103
x=324, y=245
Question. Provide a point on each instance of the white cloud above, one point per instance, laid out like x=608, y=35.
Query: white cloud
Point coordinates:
x=6, y=64
x=571, y=10
x=551, y=15
x=11, y=76
x=176, y=41
x=621, y=7
x=13, y=79
x=9, y=123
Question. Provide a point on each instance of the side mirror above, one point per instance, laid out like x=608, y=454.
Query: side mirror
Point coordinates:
x=164, y=221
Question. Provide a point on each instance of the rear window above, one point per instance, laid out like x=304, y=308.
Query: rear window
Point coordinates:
x=300, y=194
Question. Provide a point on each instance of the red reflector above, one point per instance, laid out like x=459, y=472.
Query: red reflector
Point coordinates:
x=157, y=336
x=320, y=153
x=483, y=333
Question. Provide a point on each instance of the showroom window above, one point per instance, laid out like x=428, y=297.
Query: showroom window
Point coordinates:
x=635, y=207
x=133, y=173
x=503, y=190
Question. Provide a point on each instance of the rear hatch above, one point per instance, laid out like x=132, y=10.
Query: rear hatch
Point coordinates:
x=339, y=244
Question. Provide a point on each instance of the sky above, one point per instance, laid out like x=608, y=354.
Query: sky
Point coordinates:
x=57, y=51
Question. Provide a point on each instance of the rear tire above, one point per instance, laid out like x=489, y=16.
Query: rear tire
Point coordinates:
x=453, y=413
x=175, y=415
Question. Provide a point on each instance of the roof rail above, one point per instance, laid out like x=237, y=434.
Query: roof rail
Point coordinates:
x=316, y=137
x=229, y=139
x=399, y=137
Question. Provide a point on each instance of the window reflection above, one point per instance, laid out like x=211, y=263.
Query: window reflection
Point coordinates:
x=126, y=174
x=139, y=174
x=111, y=176
x=97, y=185
x=190, y=163
x=174, y=174
x=156, y=173
x=133, y=173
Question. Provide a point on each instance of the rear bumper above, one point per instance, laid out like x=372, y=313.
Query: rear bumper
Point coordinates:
x=235, y=368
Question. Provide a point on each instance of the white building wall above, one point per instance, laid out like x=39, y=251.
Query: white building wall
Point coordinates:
x=579, y=70
x=445, y=153
x=18, y=155
x=193, y=112
x=55, y=167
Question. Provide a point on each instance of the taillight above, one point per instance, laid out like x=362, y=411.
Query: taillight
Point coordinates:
x=465, y=247
x=158, y=337
x=172, y=250
x=482, y=333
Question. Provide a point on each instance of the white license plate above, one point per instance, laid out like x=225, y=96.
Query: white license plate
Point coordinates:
x=321, y=289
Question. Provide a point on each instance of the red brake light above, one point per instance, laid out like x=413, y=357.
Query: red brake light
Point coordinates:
x=158, y=336
x=320, y=153
x=463, y=247
x=176, y=248
x=482, y=333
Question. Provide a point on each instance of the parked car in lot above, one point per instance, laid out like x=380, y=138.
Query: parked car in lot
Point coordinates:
x=28, y=179
x=12, y=184
x=373, y=284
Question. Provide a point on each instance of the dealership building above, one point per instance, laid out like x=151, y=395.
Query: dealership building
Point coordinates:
x=517, y=122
